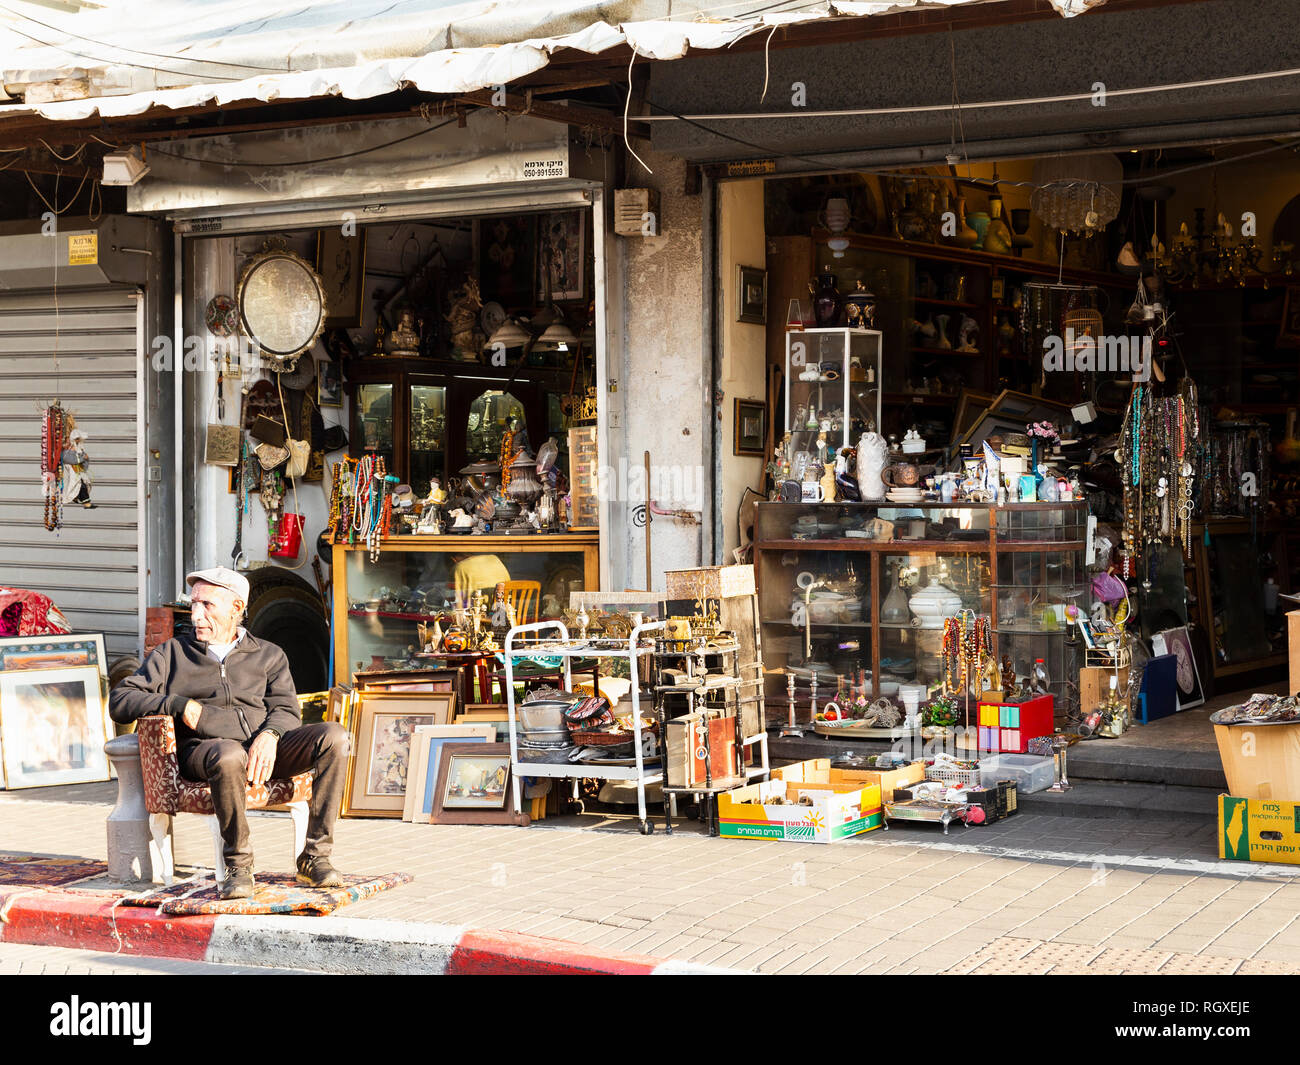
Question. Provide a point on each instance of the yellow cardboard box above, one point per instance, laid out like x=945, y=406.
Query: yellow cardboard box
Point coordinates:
x=1259, y=830
x=838, y=811
x=887, y=779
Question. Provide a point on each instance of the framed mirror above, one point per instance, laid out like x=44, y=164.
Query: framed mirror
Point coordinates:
x=281, y=304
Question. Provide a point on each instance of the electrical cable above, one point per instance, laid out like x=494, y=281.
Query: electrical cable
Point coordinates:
x=62, y=158
x=137, y=51
x=313, y=162
x=57, y=210
x=627, y=103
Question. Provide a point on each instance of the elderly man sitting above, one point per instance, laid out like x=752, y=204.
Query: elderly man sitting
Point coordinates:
x=237, y=722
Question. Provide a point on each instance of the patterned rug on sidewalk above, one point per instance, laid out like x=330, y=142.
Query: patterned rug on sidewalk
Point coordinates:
x=36, y=870
x=275, y=893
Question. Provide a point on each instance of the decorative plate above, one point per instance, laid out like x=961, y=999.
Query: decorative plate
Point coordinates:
x=222, y=316
x=492, y=317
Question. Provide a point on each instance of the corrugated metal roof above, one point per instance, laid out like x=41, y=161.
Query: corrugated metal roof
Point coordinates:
x=201, y=52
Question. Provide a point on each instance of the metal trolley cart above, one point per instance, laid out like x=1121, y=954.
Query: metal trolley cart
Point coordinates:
x=569, y=650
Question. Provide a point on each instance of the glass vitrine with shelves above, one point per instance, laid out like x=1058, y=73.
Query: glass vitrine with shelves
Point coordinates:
x=832, y=385
x=849, y=588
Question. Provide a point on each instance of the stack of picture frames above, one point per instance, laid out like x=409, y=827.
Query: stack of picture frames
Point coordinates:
x=414, y=757
x=53, y=710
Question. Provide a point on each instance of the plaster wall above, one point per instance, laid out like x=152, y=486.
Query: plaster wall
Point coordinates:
x=661, y=372
x=741, y=242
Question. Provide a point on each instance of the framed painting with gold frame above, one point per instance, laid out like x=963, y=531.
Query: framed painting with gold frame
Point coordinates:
x=381, y=730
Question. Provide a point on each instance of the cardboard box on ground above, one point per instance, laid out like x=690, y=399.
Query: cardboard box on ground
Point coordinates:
x=839, y=809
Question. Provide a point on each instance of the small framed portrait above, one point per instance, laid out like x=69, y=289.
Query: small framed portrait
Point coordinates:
x=562, y=258
x=329, y=386
x=751, y=295
x=751, y=427
x=1085, y=630
x=998, y=289
x=473, y=786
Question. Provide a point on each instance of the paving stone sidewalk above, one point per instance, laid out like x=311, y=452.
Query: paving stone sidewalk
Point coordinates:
x=1032, y=894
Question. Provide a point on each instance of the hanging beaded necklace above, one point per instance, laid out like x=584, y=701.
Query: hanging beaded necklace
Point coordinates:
x=52, y=433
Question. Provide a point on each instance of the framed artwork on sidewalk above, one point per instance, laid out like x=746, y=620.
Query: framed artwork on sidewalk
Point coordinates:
x=426, y=757
x=473, y=786
x=381, y=730
x=53, y=727
x=54, y=652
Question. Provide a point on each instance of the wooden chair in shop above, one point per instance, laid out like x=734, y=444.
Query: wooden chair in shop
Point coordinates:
x=524, y=596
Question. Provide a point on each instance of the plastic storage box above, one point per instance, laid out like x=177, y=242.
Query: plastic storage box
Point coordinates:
x=1030, y=772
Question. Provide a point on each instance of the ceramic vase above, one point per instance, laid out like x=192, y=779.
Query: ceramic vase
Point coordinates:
x=872, y=450
x=826, y=301
x=978, y=221
x=997, y=239
x=965, y=236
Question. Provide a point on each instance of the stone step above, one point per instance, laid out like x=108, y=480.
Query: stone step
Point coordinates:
x=1110, y=780
x=1087, y=760
x=1135, y=801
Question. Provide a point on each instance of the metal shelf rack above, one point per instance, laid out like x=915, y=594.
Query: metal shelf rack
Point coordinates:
x=567, y=770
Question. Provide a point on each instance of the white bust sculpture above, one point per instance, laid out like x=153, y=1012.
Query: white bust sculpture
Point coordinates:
x=872, y=449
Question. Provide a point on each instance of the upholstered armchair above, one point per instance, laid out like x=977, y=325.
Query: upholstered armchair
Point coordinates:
x=167, y=793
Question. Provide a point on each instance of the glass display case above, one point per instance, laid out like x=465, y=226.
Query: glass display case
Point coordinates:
x=378, y=606
x=431, y=420
x=849, y=587
x=832, y=385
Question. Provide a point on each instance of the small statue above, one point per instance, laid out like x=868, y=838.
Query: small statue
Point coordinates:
x=404, y=341
x=871, y=463
x=466, y=340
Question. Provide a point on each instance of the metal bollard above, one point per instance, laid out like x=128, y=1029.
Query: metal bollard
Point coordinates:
x=128, y=823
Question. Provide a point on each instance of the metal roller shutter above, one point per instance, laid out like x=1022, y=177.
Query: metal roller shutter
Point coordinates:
x=91, y=567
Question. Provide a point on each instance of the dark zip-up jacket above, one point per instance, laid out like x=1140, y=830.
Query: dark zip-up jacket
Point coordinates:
x=250, y=692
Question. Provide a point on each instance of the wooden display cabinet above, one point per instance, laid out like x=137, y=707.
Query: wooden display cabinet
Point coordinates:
x=378, y=606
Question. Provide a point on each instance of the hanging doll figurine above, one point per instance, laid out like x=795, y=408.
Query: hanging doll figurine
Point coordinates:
x=77, y=478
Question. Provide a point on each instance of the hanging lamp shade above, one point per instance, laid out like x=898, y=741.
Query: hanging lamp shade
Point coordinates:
x=510, y=334
x=1077, y=193
x=557, y=335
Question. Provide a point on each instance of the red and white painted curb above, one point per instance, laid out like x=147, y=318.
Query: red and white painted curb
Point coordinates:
x=94, y=921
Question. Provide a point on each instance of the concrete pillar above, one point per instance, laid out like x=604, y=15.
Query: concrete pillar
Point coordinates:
x=128, y=823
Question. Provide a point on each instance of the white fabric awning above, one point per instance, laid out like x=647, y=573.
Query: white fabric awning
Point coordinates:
x=134, y=55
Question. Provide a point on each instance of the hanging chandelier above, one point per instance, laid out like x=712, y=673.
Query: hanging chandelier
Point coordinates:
x=1077, y=194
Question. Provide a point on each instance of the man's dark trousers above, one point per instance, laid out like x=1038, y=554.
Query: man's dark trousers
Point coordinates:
x=223, y=765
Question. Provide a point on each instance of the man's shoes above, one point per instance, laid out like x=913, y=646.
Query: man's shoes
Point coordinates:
x=237, y=885
x=317, y=872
